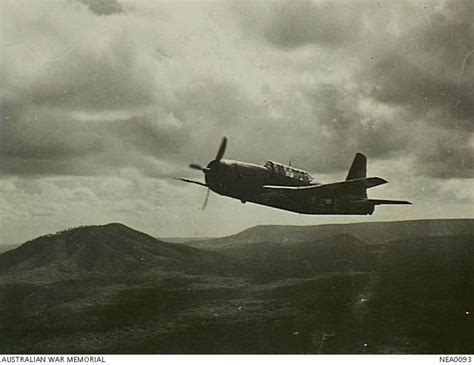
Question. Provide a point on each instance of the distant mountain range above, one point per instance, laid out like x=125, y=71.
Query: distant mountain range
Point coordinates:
x=388, y=287
x=374, y=232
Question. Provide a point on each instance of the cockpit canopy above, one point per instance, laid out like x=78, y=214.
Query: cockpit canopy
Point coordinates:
x=288, y=171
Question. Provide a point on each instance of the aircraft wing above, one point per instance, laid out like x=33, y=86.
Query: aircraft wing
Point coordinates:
x=190, y=181
x=328, y=190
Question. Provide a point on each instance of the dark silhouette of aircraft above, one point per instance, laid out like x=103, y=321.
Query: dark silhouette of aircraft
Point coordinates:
x=284, y=187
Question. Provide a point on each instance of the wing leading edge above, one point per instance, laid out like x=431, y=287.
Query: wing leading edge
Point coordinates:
x=190, y=181
x=342, y=186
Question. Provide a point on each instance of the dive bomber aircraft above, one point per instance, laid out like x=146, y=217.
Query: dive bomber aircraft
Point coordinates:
x=284, y=187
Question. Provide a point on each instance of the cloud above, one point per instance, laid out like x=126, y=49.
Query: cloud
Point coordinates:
x=121, y=85
x=428, y=71
x=103, y=7
x=445, y=154
x=87, y=95
x=103, y=101
x=290, y=25
x=400, y=76
x=429, y=67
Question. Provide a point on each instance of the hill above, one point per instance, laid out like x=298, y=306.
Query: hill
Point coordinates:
x=112, y=249
x=374, y=232
x=5, y=248
x=398, y=287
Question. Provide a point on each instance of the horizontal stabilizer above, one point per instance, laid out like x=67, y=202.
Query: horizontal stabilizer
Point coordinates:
x=383, y=201
x=369, y=182
x=190, y=181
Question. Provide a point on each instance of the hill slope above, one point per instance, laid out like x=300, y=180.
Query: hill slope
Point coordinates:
x=112, y=249
x=374, y=232
x=402, y=287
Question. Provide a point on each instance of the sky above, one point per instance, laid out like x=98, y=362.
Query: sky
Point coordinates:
x=103, y=102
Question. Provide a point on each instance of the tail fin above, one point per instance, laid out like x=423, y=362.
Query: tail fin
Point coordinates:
x=358, y=168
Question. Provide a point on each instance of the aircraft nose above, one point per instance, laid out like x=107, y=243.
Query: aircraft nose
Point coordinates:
x=213, y=166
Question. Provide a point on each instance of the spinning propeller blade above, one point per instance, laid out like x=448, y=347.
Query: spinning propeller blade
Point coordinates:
x=206, y=199
x=221, y=151
x=195, y=166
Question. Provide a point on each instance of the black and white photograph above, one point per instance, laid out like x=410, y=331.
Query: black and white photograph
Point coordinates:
x=236, y=177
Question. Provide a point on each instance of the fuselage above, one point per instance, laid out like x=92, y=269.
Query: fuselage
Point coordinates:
x=245, y=181
x=236, y=179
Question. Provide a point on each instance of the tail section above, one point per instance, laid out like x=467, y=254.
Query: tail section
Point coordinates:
x=358, y=183
x=358, y=171
x=357, y=188
x=358, y=168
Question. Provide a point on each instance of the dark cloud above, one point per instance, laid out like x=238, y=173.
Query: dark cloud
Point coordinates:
x=40, y=140
x=289, y=25
x=103, y=7
x=347, y=128
x=107, y=104
x=86, y=79
x=301, y=23
x=89, y=148
x=430, y=67
x=91, y=110
x=155, y=133
x=413, y=59
x=428, y=73
x=323, y=138
x=101, y=107
x=405, y=82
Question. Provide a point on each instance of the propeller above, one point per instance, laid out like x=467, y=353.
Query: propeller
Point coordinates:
x=195, y=166
x=219, y=155
x=221, y=151
x=206, y=199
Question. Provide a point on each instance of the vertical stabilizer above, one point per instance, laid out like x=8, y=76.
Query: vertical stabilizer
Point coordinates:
x=358, y=168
